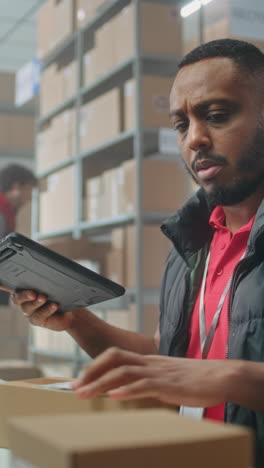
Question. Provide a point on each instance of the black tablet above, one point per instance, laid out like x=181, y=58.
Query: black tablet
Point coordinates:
x=25, y=264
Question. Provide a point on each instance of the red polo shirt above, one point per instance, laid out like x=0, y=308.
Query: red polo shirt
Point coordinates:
x=226, y=251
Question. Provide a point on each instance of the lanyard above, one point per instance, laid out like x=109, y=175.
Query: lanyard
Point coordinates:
x=206, y=340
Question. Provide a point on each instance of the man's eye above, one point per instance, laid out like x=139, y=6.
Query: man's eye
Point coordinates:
x=218, y=117
x=180, y=127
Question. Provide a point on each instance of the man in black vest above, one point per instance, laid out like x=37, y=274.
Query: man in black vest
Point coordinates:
x=212, y=295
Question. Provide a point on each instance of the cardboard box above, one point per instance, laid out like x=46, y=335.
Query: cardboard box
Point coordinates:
x=126, y=319
x=218, y=30
x=173, y=182
x=27, y=398
x=145, y=438
x=102, y=113
x=154, y=103
x=56, y=142
x=154, y=17
x=155, y=249
x=90, y=67
x=86, y=10
x=23, y=220
x=57, y=203
x=45, y=29
x=64, y=19
x=121, y=261
x=106, y=58
x=94, y=198
x=80, y=249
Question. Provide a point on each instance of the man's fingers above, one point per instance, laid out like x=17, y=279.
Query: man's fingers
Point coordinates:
x=20, y=298
x=3, y=288
x=113, y=379
x=143, y=388
x=110, y=359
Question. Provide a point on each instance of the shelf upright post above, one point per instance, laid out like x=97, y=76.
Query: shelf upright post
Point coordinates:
x=138, y=155
x=78, y=162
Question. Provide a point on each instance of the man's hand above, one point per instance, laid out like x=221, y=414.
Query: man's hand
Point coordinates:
x=38, y=312
x=178, y=381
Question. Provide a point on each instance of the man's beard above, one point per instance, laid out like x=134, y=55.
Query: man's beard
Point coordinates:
x=243, y=185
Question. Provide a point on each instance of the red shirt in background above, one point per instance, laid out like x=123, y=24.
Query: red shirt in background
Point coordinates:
x=226, y=251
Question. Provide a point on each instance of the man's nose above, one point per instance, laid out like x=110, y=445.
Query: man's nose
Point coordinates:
x=198, y=136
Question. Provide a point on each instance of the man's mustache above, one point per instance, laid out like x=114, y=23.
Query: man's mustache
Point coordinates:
x=215, y=159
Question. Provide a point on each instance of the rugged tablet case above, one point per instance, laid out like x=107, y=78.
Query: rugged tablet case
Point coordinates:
x=25, y=264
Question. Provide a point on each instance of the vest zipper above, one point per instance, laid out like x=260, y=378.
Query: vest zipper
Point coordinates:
x=247, y=259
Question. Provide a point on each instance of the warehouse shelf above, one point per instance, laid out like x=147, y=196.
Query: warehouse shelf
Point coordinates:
x=62, y=107
x=139, y=142
x=105, y=224
x=99, y=19
x=121, y=146
x=56, y=168
x=68, y=231
x=114, y=78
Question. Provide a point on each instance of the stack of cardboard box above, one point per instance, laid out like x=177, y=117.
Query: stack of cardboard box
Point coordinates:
x=115, y=41
x=55, y=21
x=114, y=192
x=56, y=142
x=57, y=201
x=104, y=118
x=121, y=259
x=58, y=83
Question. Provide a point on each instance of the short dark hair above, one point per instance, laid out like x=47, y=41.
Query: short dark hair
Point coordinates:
x=245, y=55
x=15, y=174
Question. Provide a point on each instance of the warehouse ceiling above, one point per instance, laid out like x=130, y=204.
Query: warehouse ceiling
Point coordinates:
x=17, y=32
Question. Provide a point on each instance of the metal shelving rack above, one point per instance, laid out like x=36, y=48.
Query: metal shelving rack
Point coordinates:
x=141, y=141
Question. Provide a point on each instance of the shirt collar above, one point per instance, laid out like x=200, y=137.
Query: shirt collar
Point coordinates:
x=217, y=220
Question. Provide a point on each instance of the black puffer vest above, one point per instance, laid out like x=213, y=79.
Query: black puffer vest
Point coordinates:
x=191, y=235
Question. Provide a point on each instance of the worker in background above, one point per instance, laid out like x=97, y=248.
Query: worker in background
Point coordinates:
x=16, y=183
x=208, y=353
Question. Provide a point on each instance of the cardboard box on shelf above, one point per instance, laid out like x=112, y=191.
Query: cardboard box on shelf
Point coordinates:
x=51, y=89
x=56, y=204
x=64, y=19
x=150, y=318
x=143, y=438
x=27, y=398
x=155, y=102
x=126, y=318
x=100, y=120
x=155, y=249
x=23, y=219
x=81, y=248
x=173, y=182
x=154, y=17
x=56, y=142
x=94, y=189
x=85, y=11
x=106, y=57
x=90, y=66
x=45, y=29
x=69, y=79
x=121, y=261
x=115, y=258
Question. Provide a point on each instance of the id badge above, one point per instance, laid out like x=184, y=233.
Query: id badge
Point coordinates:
x=191, y=412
